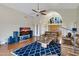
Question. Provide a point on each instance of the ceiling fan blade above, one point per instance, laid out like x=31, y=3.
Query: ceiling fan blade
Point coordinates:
x=43, y=13
x=34, y=10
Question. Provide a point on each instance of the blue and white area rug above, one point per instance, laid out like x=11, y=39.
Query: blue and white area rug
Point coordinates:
x=35, y=49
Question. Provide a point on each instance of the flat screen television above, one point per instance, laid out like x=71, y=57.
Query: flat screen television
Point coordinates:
x=74, y=29
x=24, y=31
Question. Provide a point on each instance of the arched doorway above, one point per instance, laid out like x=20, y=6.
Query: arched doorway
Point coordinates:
x=51, y=22
x=55, y=23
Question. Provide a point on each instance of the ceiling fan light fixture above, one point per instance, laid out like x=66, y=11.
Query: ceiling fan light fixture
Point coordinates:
x=42, y=12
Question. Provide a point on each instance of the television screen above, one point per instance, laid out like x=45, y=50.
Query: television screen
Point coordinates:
x=74, y=29
x=24, y=30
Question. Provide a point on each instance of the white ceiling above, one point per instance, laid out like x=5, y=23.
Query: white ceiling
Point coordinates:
x=27, y=7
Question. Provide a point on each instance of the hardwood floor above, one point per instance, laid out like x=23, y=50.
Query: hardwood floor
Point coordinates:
x=67, y=50
x=5, y=50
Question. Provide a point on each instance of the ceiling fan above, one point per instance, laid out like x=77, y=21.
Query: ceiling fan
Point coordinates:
x=42, y=12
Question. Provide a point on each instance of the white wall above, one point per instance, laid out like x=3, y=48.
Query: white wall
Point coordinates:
x=69, y=17
x=77, y=22
x=11, y=20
